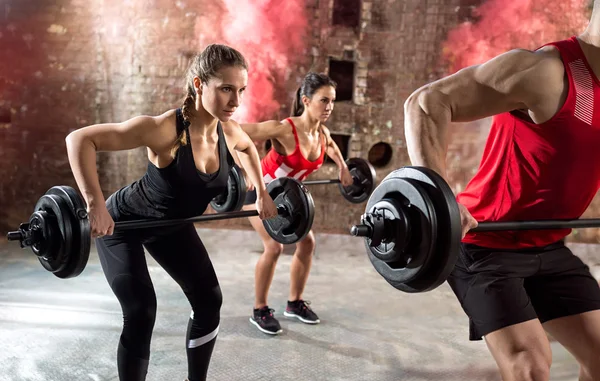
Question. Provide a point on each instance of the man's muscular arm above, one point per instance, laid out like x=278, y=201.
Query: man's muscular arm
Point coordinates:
x=518, y=79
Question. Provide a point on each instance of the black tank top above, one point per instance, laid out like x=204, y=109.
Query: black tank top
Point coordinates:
x=179, y=190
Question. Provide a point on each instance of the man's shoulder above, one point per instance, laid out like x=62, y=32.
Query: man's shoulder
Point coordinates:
x=543, y=62
x=548, y=52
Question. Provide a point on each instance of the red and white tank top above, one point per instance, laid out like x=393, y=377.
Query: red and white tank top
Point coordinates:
x=540, y=171
x=275, y=165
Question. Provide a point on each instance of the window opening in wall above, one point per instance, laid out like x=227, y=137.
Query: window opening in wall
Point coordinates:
x=343, y=143
x=346, y=13
x=342, y=72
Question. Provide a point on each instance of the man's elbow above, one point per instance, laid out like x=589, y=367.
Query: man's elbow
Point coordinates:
x=421, y=97
x=412, y=100
x=413, y=109
x=426, y=101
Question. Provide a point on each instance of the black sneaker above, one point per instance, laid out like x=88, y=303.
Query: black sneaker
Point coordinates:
x=300, y=309
x=264, y=320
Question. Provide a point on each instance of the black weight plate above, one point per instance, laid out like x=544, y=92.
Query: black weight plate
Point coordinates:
x=81, y=242
x=364, y=181
x=418, y=250
x=295, y=198
x=447, y=244
x=390, y=245
x=46, y=238
x=56, y=259
x=232, y=199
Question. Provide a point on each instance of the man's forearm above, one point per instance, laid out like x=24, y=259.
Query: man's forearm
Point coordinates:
x=426, y=131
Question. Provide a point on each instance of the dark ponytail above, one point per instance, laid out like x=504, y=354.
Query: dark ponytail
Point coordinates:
x=297, y=106
x=311, y=83
x=188, y=105
x=188, y=102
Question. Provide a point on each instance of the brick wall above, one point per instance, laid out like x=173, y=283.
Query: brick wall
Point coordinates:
x=70, y=63
x=48, y=85
x=396, y=49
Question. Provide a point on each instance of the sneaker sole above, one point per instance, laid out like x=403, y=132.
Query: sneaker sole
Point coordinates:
x=291, y=315
x=264, y=330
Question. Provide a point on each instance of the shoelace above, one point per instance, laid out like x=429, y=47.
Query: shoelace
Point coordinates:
x=264, y=313
x=304, y=304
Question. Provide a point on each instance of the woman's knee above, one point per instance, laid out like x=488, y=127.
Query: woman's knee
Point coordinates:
x=215, y=298
x=307, y=246
x=273, y=248
x=530, y=365
x=206, y=301
x=138, y=302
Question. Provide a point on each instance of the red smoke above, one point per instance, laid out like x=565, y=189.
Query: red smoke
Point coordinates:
x=507, y=24
x=270, y=34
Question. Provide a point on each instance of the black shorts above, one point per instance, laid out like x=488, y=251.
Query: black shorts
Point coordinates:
x=499, y=287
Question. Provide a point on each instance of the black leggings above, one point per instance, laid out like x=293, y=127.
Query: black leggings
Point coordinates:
x=183, y=256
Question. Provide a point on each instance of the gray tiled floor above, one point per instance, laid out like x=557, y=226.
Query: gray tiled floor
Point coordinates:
x=59, y=330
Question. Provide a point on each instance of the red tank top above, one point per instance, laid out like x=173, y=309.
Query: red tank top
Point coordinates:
x=540, y=171
x=275, y=165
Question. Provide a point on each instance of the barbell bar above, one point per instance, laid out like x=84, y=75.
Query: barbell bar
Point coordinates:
x=361, y=170
x=58, y=230
x=412, y=229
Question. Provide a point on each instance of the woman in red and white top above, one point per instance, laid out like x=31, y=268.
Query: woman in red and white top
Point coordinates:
x=299, y=145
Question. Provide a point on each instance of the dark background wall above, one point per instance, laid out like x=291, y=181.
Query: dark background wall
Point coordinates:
x=70, y=63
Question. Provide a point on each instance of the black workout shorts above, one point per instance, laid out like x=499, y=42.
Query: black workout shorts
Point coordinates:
x=499, y=287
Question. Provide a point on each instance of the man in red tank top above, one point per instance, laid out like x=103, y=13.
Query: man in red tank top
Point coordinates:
x=541, y=161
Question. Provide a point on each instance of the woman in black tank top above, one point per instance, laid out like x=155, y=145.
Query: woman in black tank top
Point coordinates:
x=189, y=152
